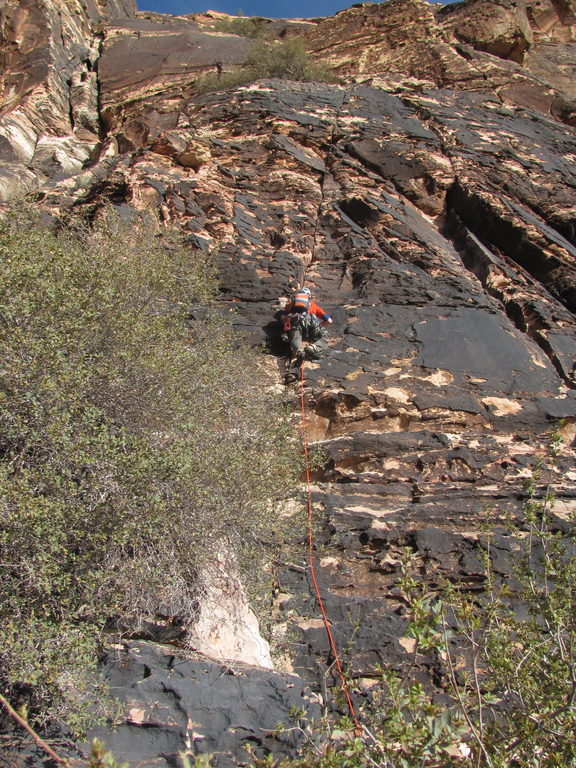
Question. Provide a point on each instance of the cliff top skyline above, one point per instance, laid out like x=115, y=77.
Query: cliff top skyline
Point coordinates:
x=279, y=9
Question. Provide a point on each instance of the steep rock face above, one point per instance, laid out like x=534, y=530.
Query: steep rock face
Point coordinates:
x=48, y=87
x=173, y=53
x=541, y=36
x=531, y=47
x=429, y=202
x=397, y=37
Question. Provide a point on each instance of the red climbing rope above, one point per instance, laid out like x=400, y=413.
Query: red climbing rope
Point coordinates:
x=335, y=654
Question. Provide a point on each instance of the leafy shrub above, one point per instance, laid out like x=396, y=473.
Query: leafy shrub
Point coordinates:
x=244, y=26
x=221, y=82
x=132, y=447
x=287, y=60
x=521, y=640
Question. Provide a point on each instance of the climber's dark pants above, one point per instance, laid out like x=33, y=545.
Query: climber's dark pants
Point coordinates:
x=311, y=352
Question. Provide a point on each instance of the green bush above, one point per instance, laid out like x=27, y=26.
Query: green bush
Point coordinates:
x=287, y=60
x=214, y=81
x=132, y=447
x=521, y=640
x=244, y=26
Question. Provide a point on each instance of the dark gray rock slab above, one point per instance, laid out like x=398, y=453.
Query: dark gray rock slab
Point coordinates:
x=178, y=706
x=485, y=345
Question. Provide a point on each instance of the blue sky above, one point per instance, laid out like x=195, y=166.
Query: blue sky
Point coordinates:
x=288, y=9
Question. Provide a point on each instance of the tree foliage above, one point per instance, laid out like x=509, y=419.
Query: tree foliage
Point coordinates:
x=133, y=447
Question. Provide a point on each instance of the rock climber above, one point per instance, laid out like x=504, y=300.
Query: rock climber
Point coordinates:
x=302, y=322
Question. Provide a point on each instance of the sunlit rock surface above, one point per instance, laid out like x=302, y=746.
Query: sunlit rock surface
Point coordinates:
x=428, y=199
x=49, y=53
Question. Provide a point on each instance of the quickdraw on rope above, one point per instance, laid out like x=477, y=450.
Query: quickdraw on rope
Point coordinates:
x=337, y=662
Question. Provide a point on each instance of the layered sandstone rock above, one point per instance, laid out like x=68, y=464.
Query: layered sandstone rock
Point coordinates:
x=48, y=87
x=428, y=199
x=445, y=45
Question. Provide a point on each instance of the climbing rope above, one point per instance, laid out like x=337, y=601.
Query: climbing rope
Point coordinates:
x=333, y=648
x=357, y=727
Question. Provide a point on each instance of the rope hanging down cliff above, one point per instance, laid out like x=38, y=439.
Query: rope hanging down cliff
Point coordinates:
x=333, y=648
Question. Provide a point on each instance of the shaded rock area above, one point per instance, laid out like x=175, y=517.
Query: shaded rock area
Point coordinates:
x=176, y=706
x=196, y=707
x=428, y=200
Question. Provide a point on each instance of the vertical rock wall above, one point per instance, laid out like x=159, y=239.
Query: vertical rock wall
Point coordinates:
x=48, y=87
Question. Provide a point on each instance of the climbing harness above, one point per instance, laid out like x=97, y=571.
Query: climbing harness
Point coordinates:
x=333, y=648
